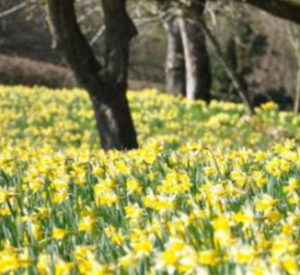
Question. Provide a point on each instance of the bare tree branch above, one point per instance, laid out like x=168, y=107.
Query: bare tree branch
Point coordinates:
x=99, y=33
x=17, y=8
x=285, y=9
x=244, y=94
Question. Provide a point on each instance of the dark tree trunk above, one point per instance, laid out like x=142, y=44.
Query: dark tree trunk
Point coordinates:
x=114, y=122
x=197, y=63
x=175, y=67
x=106, y=84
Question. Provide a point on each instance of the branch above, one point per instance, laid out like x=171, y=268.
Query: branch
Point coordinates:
x=243, y=93
x=16, y=8
x=99, y=33
x=285, y=9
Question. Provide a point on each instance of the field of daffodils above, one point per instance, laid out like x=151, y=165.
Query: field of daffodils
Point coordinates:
x=210, y=191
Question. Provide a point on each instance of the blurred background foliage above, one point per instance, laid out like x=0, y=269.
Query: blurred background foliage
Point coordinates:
x=256, y=45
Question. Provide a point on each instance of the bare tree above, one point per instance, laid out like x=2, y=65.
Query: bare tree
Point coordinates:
x=106, y=83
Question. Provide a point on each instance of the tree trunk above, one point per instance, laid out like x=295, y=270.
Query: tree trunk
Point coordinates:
x=114, y=122
x=197, y=63
x=188, y=69
x=175, y=67
x=106, y=84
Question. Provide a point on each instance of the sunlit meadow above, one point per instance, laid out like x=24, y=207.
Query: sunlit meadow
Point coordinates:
x=210, y=191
